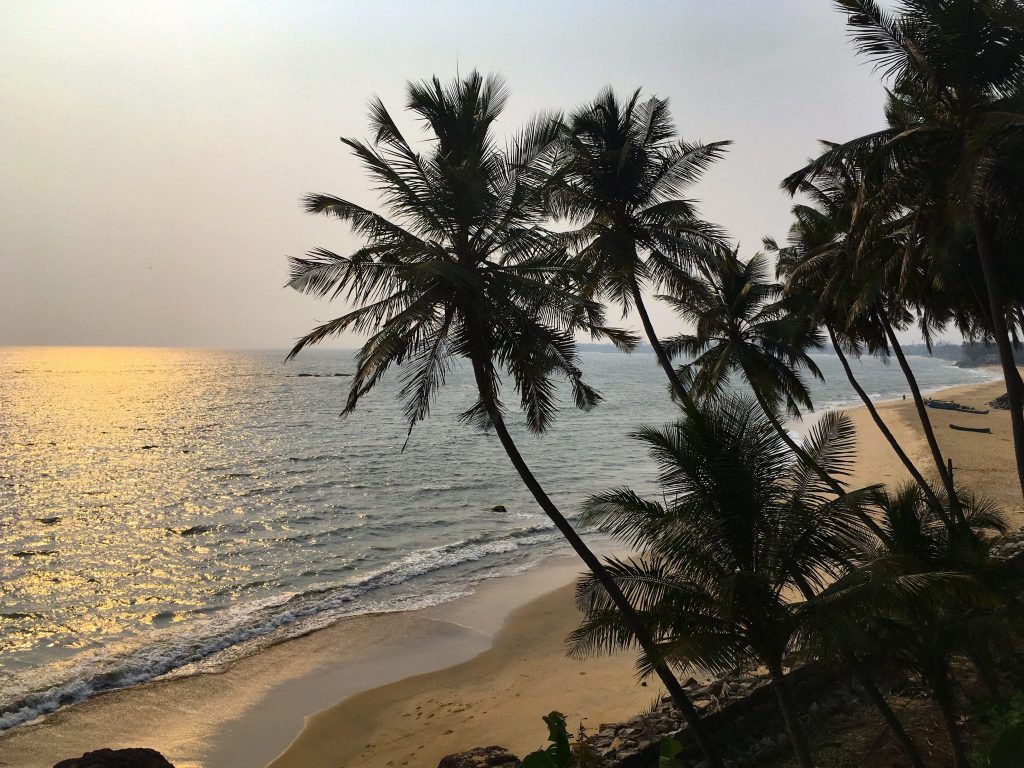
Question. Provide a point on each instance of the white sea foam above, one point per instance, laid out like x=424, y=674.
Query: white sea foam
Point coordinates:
x=200, y=646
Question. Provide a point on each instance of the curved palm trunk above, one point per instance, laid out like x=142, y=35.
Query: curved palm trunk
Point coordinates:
x=986, y=255
x=882, y=427
x=789, y=713
x=629, y=614
x=922, y=414
x=899, y=734
x=663, y=360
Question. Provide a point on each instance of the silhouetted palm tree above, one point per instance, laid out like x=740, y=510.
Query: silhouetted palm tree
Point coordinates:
x=842, y=289
x=462, y=270
x=953, y=153
x=621, y=174
x=918, y=598
x=742, y=527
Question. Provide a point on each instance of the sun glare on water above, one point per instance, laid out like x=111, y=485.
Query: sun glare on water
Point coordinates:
x=102, y=444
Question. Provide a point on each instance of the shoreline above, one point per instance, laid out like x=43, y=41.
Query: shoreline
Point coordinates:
x=246, y=714
x=307, y=701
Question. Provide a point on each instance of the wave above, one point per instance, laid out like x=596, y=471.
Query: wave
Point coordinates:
x=245, y=628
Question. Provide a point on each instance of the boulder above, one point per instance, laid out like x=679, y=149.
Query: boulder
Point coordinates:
x=1002, y=402
x=117, y=758
x=481, y=757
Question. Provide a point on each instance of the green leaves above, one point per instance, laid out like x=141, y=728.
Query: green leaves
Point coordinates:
x=743, y=326
x=559, y=753
x=669, y=752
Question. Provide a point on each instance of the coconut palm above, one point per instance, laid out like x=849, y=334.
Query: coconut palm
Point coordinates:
x=746, y=328
x=621, y=174
x=461, y=269
x=918, y=599
x=863, y=290
x=742, y=528
x=951, y=155
x=843, y=291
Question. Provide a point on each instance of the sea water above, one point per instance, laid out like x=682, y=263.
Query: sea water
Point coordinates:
x=164, y=511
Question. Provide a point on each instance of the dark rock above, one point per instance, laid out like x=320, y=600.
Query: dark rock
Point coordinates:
x=1002, y=402
x=481, y=757
x=117, y=758
x=498, y=508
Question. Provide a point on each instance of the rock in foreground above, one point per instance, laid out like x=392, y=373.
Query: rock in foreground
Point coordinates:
x=117, y=758
x=481, y=757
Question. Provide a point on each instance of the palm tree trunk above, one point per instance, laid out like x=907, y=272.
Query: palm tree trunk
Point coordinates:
x=629, y=614
x=796, y=731
x=663, y=360
x=882, y=427
x=922, y=414
x=899, y=734
x=982, y=663
x=863, y=677
x=986, y=254
x=938, y=681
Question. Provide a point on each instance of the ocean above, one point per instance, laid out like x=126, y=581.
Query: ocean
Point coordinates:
x=165, y=511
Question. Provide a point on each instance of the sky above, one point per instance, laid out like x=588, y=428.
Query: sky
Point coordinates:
x=152, y=154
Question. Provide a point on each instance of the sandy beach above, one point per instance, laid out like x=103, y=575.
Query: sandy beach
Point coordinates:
x=405, y=689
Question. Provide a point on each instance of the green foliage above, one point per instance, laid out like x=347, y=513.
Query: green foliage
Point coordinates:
x=583, y=752
x=1005, y=743
x=742, y=525
x=668, y=756
x=559, y=753
x=835, y=756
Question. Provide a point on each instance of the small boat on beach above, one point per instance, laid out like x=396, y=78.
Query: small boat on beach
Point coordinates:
x=983, y=430
x=951, y=405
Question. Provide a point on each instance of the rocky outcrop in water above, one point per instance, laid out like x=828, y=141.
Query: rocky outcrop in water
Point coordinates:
x=117, y=758
x=481, y=757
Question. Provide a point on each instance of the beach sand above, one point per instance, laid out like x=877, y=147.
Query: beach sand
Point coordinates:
x=981, y=462
x=481, y=670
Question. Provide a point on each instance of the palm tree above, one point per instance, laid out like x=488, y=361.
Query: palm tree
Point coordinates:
x=620, y=175
x=952, y=153
x=742, y=526
x=746, y=327
x=843, y=291
x=462, y=270
x=919, y=597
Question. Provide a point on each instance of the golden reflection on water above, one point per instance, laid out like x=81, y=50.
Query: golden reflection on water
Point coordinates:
x=101, y=443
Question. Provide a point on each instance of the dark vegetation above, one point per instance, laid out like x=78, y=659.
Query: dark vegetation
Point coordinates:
x=501, y=254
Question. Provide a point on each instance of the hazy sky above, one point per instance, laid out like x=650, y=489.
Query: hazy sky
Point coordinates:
x=152, y=154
